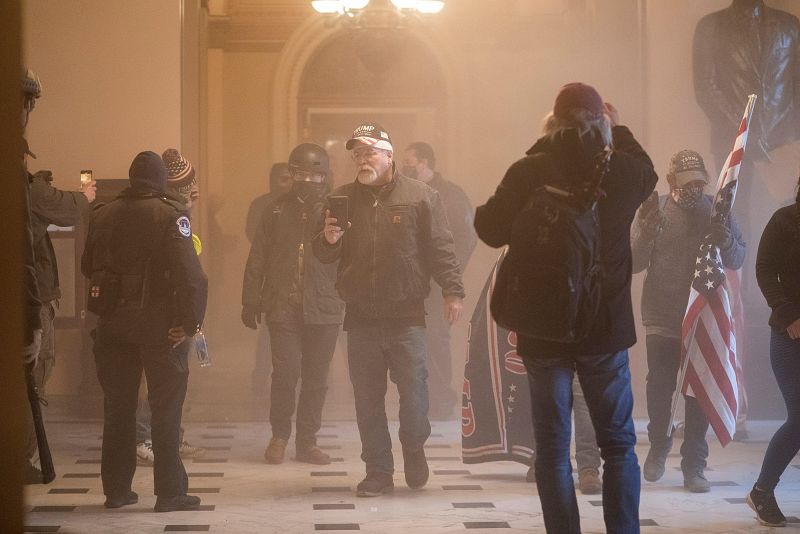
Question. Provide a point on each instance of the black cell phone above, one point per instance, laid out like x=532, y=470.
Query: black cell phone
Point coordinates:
x=340, y=210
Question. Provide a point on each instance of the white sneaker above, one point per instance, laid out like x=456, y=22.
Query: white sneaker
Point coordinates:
x=144, y=453
x=188, y=451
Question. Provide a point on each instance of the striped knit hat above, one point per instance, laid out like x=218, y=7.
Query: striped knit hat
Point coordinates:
x=180, y=173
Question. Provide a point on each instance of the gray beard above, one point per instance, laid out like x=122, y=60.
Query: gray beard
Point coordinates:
x=367, y=177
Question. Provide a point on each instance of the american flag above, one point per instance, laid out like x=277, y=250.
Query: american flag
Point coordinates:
x=710, y=366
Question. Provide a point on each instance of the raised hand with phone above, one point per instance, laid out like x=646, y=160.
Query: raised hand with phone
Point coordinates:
x=336, y=218
x=88, y=185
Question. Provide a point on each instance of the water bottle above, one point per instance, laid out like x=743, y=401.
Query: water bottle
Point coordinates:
x=201, y=347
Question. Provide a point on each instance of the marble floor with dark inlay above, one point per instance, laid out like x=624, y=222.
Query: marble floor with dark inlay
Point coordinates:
x=242, y=494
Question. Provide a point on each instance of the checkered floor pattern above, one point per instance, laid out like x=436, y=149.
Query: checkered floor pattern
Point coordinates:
x=242, y=494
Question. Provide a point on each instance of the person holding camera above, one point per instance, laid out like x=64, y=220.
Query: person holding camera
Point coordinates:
x=49, y=205
x=389, y=243
x=149, y=290
x=293, y=292
x=665, y=241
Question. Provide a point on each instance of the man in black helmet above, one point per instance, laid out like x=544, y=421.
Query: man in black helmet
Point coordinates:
x=147, y=286
x=293, y=292
x=397, y=238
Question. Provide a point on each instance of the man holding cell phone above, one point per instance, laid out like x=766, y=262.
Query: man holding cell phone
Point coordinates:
x=50, y=205
x=395, y=237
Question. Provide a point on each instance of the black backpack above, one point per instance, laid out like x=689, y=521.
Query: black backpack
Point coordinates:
x=549, y=283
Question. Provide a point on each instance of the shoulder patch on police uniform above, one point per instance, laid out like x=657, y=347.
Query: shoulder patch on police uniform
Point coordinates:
x=184, y=227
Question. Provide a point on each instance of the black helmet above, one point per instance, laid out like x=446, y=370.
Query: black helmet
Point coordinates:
x=309, y=157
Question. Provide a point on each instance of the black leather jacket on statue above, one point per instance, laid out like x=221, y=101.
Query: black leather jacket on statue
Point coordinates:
x=749, y=49
x=399, y=238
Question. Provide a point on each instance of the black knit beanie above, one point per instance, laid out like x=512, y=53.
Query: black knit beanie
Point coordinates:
x=148, y=172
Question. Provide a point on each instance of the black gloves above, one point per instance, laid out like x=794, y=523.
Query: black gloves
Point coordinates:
x=721, y=236
x=251, y=316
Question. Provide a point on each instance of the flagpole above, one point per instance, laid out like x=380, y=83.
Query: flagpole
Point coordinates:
x=751, y=100
x=678, y=386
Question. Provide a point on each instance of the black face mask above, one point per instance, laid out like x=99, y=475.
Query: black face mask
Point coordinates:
x=688, y=197
x=308, y=190
x=409, y=171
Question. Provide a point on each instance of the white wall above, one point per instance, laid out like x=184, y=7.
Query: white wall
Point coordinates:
x=111, y=72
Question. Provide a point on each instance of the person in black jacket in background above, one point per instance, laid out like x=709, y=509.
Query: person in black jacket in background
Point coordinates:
x=396, y=239
x=50, y=205
x=280, y=183
x=577, y=130
x=778, y=275
x=419, y=162
x=284, y=280
x=147, y=286
x=32, y=339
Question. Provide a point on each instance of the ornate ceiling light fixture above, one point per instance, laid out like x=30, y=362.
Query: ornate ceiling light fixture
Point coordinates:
x=376, y=13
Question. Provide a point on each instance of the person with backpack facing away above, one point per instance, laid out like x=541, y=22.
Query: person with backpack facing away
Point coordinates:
x=580, y=127
x=665, y=240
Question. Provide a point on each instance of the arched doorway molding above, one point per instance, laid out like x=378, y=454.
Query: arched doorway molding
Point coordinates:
x=300, y=49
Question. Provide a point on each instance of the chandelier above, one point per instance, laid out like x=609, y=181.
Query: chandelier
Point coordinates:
x=376, y=13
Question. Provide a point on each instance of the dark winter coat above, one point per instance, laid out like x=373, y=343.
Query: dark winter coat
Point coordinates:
x=460, y=217
x=399, y=238
x=51, y=206
x=143, y=240
x=280, y=253
x=778, y=266
x=630, y=180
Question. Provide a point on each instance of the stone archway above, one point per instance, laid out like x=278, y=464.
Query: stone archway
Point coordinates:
x=308, y=44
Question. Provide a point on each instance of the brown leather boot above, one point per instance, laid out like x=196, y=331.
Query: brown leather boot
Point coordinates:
x=589, y=481
x=275, y=451
x=313, y=455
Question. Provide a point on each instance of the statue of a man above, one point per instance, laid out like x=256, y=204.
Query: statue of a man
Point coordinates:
x=749, y=48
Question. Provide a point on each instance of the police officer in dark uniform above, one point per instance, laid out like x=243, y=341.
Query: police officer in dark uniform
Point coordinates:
x=148, y=288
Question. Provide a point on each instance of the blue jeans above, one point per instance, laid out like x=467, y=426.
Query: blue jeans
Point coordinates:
x=587, y=455
x=784, y=353
x=606, y=383
x=400, y=351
